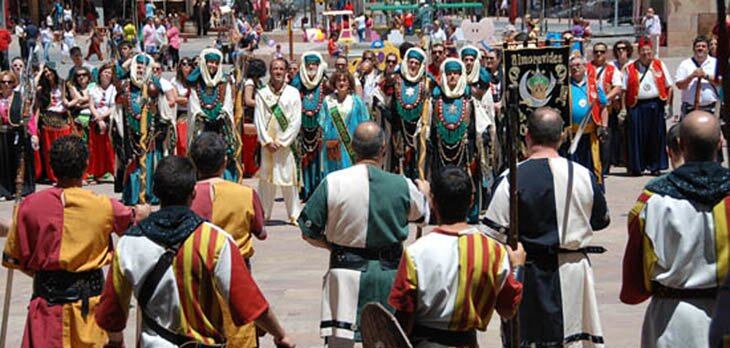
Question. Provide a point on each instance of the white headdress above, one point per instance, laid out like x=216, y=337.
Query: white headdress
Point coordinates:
x=137, y=80
x=404, y=65
x=210, y=81
x=458, y=91
x=473, y=75
x=304, y=74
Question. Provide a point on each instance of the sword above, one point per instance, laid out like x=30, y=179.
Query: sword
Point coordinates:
x=581, y=129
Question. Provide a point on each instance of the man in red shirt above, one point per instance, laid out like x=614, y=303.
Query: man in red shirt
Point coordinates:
x=5, y=40
x=438, y=54
x=408, y=23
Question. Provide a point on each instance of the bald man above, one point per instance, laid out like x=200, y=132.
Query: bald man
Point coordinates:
x=361, y=215
x=559, y=306
x=678, y=241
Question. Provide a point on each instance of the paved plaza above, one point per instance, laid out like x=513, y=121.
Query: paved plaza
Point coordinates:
x=290, y=271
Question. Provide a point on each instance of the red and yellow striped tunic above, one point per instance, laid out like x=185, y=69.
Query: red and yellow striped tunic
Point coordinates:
x=455, y=281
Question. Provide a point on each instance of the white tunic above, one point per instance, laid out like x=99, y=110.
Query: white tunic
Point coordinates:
x=278, y=167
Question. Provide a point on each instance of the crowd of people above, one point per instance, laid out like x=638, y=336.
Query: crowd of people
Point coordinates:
x=357, y=157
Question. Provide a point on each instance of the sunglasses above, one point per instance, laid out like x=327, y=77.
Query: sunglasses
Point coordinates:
x=7, y=82
x=82, y=75
x=185, y=63
x=599, y=51
x=392, y=62
x=437, y=52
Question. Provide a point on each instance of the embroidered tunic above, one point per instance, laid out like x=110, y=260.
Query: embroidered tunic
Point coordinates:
x=207, y=278
x=454, y=281
x=211, y=109
x=407, y=110
x=127, y=136
x=679, y=238
x=310, y=135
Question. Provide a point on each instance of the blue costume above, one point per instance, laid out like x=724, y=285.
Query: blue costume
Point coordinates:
x=352, y=111
x=453, y=134
x=128, y=147
x=310, y=135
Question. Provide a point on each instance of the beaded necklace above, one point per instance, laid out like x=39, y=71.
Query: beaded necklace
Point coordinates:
x=312, y=102
x=451, y=126
x=211, y=99
x=405, y=106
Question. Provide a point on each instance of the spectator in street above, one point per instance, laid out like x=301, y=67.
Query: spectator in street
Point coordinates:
x=31, y=37
x=78, y=62
x=149, y=9
x=57, y=13
x=201, y=14
x=173, y=42
x=95, y=41
x=68, y=14
x=438, y=35
x=698, y=72
x=69, y=40
x=46, y=40
x=408, y=23
x=652, y=25
x=149, y=41
x=20, y=34
x=5, y=40
x=360, y=20
x=160, y=39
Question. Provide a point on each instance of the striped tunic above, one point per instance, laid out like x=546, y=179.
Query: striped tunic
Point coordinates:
x=454, y=281
x=679, y=243
x=359, y=207
x=208, y=276
x=233, y=207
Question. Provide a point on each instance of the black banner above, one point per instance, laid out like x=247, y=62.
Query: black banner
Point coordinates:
x=537, y=77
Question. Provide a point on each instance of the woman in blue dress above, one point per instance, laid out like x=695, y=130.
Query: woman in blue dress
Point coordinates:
x=341, y=112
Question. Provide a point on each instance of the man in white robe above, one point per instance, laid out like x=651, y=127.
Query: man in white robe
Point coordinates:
x=278, y=118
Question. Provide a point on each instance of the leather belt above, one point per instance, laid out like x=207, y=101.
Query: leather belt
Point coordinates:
x=357, y=258
x=661, y=291
x=59, y=287
x=444, y=337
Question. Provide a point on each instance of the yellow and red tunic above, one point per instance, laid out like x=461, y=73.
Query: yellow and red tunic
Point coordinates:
x=63, y=230
x=233, y=207
x=236, y=209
